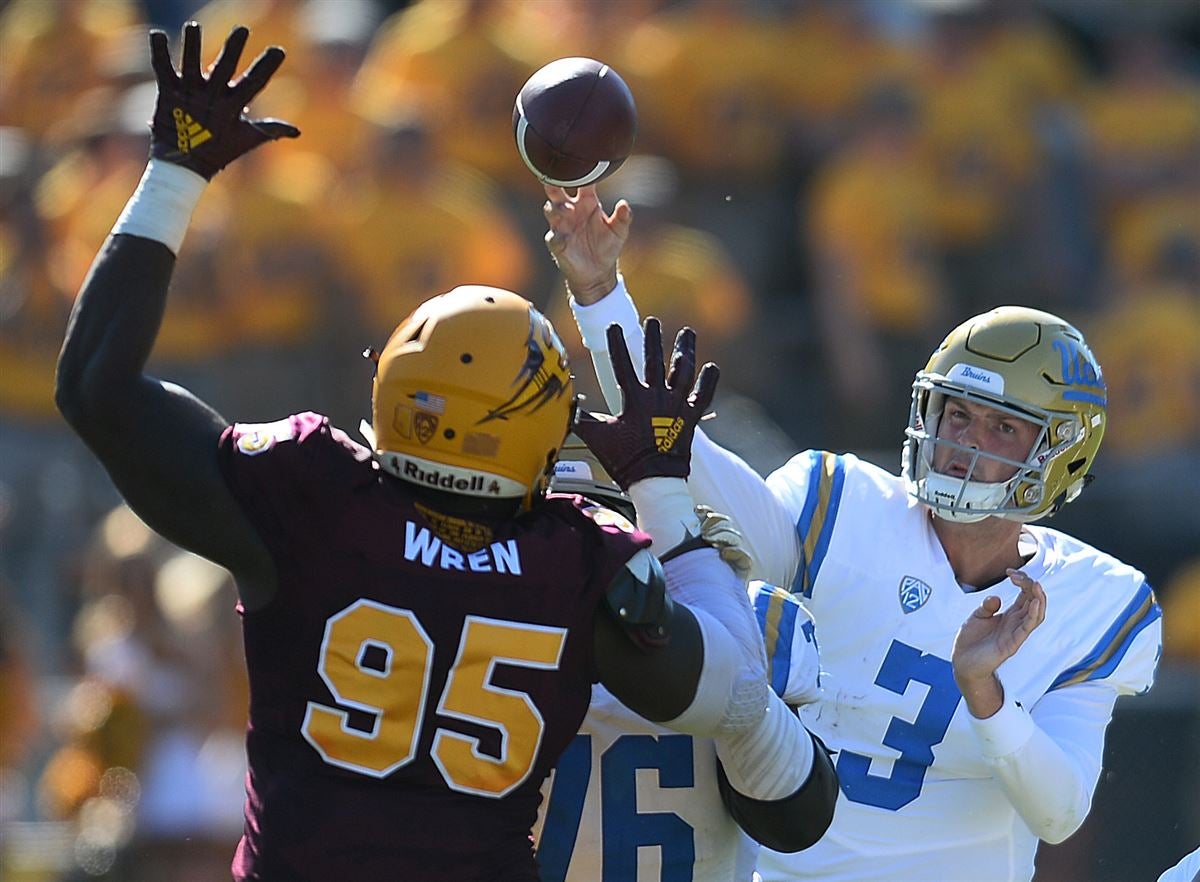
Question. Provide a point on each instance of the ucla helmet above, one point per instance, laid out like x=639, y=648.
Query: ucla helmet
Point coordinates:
x=579, y=471
x=1033, y=366
x=472, y=395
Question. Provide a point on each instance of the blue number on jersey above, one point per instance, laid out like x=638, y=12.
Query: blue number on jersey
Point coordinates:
x=903, y=665
x=565, y=809
x=624, y=828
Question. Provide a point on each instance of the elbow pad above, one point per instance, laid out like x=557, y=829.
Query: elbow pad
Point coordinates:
x=637, y=598
x=795, y=822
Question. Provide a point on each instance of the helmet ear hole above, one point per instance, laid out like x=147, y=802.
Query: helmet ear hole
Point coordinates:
x=1076, y=465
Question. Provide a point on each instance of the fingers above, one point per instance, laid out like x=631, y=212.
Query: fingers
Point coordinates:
x=1032, y=593
x=706, y=387
x=558, y=201
x=1034, y=616
x=226, y=64
x=189, y=67
x=160, y=60
x=587, y=199
x=557, y=204
x=273, y=129
x=622, y=219
x=555, y=243
x=622, y=363
x=683, y=361
x=589, y=427
x=653, y=353
x=989, y=607
x=1019, y=578
x=260, y=72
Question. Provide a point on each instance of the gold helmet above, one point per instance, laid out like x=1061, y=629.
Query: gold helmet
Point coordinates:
x=1033, y=366
x=472, y=395
x=579, y=471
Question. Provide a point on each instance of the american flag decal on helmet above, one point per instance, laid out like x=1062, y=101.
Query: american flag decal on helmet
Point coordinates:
x=543, y=377
x=913, y=594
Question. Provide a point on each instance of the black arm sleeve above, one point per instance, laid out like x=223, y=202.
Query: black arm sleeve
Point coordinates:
x=795, y=822
x=157, y=441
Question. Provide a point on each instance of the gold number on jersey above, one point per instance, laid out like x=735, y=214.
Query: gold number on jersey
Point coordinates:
x=393, y=689
x=394, y=696
x=470, y=695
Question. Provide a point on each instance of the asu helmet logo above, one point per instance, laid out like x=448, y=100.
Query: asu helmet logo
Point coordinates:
x=545, y=375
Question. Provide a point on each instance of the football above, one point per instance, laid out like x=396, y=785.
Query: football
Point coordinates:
x=575, y=122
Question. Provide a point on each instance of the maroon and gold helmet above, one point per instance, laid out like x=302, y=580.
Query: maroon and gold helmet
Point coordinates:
x=473, y=394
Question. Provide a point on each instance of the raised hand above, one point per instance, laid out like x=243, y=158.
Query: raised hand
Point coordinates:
x=988, y=638
x=584, y=241
x=200, y=122
x=652, y=436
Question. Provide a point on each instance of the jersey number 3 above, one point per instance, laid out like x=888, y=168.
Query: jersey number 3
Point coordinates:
x=902, y=665
x=377, y=659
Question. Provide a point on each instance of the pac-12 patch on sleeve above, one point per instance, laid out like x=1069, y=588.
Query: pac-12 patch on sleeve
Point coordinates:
x=606, y=517
x=255, y=443
x=255, y=439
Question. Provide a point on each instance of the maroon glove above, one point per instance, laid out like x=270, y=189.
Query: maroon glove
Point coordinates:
x=652, y=436
x=201, y=123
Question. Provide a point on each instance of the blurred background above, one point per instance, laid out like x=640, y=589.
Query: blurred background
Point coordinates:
x=823, y=188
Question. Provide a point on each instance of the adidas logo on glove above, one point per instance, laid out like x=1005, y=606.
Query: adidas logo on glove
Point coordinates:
x=666, y=432
x=189, y=132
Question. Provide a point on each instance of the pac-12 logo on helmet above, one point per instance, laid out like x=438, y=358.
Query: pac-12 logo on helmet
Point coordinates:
x=545, y=375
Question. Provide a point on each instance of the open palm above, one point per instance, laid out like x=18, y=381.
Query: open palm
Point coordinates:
x=988, y=637
x=584, y=241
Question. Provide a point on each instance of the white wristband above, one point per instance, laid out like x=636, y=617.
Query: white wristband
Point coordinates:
x=161, y=207
x=594, y=319
x=665, y=510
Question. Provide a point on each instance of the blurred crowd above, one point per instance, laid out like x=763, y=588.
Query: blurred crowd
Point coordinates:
x=821, y=187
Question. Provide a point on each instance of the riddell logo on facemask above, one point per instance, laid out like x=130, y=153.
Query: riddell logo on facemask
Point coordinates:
x=475, y=484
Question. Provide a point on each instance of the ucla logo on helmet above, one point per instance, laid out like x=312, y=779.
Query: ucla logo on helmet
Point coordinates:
x=913, y=594
x=1080, y=371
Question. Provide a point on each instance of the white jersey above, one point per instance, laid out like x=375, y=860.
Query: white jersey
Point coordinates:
x=919, y=801
x=928, y=793
x=631, y=801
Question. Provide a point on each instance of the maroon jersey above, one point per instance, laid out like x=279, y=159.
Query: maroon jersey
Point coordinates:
x=407, y=696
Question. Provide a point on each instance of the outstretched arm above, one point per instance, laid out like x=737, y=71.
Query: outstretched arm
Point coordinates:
x=586, y=243
x=157, y=440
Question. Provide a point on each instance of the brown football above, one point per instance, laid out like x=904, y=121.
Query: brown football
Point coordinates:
x=575, y=122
